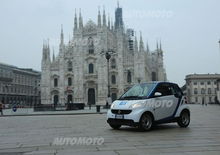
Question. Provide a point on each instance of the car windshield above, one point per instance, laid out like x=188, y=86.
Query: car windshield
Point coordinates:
x=139, y=91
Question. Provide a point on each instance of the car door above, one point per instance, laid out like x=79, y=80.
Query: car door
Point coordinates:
x=165, y=103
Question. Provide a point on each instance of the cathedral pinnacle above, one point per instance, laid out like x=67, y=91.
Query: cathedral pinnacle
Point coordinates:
x=80, y=20
x=53, y=55
x=157, y=45
x=61, y=35
x=135, y=44
x=104, y=17
x=99, y=17
x=109, y=25
x=160, y=46
x=75, y=21
x=147, y=46
x=141, y=44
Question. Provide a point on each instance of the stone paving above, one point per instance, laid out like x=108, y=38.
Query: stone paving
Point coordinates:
x=34, y=135
x=30, y=111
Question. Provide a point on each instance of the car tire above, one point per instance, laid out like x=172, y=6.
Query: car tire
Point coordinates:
x=146, y=122
x=184, y=119
x=116, y=127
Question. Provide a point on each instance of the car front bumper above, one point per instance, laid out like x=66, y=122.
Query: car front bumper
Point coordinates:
x=131, y=119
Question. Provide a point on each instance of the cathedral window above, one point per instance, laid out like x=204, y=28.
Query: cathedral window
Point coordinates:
x=70, y=66
x=55, y=82
x=69, y=81
x=113, y=63
x=113, y=79
x=90, y=45
x=129, y=77
x=91, y=51
x=91, y=68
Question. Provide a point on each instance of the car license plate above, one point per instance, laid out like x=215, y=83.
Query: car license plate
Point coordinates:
x=119, y=116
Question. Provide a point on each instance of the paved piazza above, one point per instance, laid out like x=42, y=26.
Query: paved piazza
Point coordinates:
x=33, y=135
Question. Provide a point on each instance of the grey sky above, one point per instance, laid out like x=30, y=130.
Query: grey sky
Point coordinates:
x=189, y=30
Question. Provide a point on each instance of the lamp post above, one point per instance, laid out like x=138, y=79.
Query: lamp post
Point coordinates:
x=108, y=57
x=219, y=43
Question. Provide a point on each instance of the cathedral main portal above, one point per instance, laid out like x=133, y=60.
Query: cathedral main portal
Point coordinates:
x=91, y=96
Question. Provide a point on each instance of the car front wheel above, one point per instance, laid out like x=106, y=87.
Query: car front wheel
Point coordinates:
x=184, y=119
x=146, y=122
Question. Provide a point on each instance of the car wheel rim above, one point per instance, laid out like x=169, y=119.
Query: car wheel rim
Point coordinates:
x=146, y=122
x=185, y=118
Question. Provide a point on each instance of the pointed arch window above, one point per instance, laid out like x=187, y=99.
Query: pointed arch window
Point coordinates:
x=55, y=81
x=113, y=63
x=91, y=68
x=69, y=81
x=90, y=45
x=129, y=77
x=113, y=79
x=69, y=66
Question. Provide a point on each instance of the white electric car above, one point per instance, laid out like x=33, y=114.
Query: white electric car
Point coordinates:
x=147, y=104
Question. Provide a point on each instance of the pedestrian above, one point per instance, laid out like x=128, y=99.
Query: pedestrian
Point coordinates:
x=1, y=108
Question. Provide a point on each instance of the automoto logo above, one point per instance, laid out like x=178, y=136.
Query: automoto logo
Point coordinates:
x=59, y=141
x=159, y=103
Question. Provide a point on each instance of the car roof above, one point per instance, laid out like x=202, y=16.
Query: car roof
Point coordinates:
x=158, y=82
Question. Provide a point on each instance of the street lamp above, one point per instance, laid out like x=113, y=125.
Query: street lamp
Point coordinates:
x=108, y=54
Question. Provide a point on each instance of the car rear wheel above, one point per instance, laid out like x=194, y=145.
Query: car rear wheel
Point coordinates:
x=184, y=119
x=115, y=126
x=146, y=122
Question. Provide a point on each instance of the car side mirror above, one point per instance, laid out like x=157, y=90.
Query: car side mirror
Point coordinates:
x=157, y=94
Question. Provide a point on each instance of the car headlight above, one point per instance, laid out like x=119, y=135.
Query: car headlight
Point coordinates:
x=112, y=105
x=136, y=105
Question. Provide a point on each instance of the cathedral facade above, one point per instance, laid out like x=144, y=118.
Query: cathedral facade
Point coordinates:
x=79, y=73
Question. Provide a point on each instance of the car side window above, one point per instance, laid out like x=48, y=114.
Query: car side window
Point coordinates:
x=164, y=90
x=177, y=90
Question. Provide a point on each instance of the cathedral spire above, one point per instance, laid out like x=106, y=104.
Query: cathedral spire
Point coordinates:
x=61, y=36
x=135, y=44
x=109, y=21
x=141, y=44
x=75, y=21
x=112, y=26
x=99, y=17
x=80, y=20
x=157, y=45
x=104, y=17
x=53, y=55
x=160, y=46
x=48, y=50
x=44, y=51
x=147, y=46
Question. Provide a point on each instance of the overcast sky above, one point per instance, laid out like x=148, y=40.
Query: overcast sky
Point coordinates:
x=189, y=30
